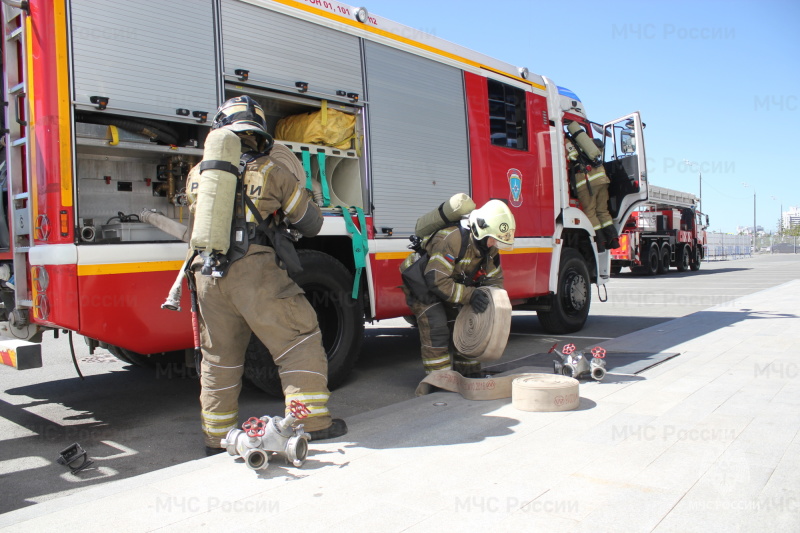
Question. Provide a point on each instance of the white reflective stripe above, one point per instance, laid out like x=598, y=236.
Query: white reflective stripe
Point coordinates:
x=220, y=366
x=296, y=345
x=292, y=202
x=439, y=258
x=308, y=397
x=224, y=416
x=305, y=371
x=459, y=291
x=437, y=360
x=224, y=388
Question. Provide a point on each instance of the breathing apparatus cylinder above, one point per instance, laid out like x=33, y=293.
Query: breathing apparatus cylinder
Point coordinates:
x=216, y=192
x=449, y=212
x=584, y=142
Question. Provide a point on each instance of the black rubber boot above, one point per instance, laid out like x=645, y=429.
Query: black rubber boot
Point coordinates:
x=598, y=239
x=336, y=429
x=612, y=237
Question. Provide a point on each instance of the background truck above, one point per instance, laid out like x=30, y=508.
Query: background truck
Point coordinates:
x=108, y=106
x=668, y=230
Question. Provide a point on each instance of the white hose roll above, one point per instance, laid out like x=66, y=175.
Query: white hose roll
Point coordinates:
x=284, y=155
x=457, y=206
x=545, y=393
x=483, y=336
x=216, y=194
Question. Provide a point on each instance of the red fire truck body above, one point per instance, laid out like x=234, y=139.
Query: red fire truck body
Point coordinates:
x=108, y=107
x=667, y=230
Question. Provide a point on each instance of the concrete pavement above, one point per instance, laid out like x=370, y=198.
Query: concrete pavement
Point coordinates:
x=707, y=441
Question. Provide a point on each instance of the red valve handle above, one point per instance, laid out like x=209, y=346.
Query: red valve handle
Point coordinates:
x=568, y=349
x=599, y=352
x=254, y=427
x=298, y=409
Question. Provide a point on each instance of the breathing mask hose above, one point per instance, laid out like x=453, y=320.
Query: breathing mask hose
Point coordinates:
x=198, y=353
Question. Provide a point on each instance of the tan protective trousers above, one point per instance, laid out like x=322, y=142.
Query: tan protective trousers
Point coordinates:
x=435, y=323
x=256, y=295
x=594, y=204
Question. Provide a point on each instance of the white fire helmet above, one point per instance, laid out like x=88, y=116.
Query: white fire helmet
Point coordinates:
x=494, y=219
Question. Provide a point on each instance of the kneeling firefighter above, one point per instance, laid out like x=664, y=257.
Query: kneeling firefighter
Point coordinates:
x=242, y=281
x=590, y=182
x=443, y=273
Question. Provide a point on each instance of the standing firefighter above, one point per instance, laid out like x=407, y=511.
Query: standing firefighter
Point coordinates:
x=247, y=288
x=442, y=275
x=589, y=179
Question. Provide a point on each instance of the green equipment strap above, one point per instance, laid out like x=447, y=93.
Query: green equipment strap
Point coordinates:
x=306, y=157
x=360, y=244
x=323, y=180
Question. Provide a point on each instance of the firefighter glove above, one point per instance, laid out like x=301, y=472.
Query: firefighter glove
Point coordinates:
x=479, y=301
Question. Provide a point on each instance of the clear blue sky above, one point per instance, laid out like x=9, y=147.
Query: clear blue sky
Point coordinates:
x=717, y=82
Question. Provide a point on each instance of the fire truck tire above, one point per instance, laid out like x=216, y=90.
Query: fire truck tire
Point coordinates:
x=570, y=306
x=651, y=261
x=665, y=259
x=697, y=259
x=616, y=269
x=684, y=258
x=328, y=286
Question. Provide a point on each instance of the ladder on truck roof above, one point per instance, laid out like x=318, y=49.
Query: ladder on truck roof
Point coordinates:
x=17, y=123
x=668, y=197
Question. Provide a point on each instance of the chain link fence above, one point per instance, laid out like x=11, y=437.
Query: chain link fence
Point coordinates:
x=723, y=246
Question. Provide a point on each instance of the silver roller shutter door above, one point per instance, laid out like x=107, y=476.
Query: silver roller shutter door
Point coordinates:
x=280, y=50
x=419, y=151
x=147, y=56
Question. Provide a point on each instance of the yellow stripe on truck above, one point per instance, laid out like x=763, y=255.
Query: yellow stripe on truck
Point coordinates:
x=130, y=268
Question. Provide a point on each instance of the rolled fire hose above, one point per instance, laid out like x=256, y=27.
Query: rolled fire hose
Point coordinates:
x=528, y=392
x=483, y=336
x=284, y=155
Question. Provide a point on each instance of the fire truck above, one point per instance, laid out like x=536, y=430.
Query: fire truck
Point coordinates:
x=107, y=108
x=668, y=230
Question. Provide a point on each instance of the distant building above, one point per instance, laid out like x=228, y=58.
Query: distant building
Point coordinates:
x=791, y=218
x=748, y=230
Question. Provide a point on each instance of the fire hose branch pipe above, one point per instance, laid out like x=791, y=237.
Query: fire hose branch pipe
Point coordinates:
x=261, y=437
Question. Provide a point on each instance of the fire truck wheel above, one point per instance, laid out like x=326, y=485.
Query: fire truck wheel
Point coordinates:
x=665, y=259
x=328, y=286
x=684, y=258
x=651, y=261
x=570, y=306
x=697, y=259
x=616, y=269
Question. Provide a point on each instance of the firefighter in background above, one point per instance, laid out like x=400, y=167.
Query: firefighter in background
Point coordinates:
x=590, y=182
x=451, y=282
x=256, y=294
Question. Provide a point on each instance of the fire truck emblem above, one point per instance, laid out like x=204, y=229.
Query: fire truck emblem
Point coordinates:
x=515, y=186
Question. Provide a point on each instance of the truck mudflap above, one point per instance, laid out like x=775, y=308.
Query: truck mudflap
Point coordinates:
x=21, y=355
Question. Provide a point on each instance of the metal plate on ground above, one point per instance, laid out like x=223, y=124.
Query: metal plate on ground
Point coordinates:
x=619, y=362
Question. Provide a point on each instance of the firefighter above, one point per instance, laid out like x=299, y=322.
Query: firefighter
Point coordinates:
x=458, y=261
x=256, y=294
x=590, y=183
